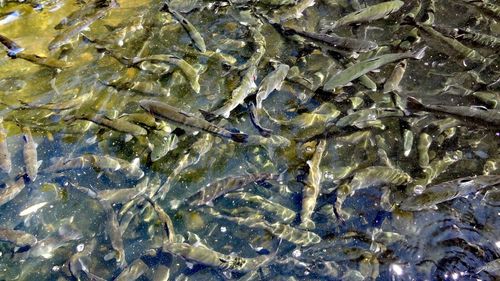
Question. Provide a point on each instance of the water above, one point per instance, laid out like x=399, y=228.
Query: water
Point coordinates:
x=368, y=236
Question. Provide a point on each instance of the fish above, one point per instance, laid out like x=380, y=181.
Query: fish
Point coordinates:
x=187, y=70
x=259, y=43
x=11, y=190
x=133, y=272
x=32, y=209
x=271, y=82
x=367, y=177
x=255, y=118
x=369, y=114
x=301, y=237
x=392, y=83
x=424, y=142
x=99, y=162
x=332, y=40
x=246, y=87
x=360, y=68
x=19, y=238
x=312, y=186
x=114, y=234
x=123, y=195
x=369, y=13
x=188, y=26
x=478, y=115
x=187, y=120
x=455, y=46
x=5, y=161
x=72, y=31
x=119, y=125
x=446, y=191
x=220, y=187
x=284, y=214
x=42, y=60
x=209, y=257
x=199, y=148
x=166, y=221
x=295, y=12
x=30, y=155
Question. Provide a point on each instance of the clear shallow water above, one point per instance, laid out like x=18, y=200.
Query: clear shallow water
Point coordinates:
x=368, y=237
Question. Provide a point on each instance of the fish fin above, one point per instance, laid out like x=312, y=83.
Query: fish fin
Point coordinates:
x=209, y=116
x=99, y=174
x=39, y=163
x=419, y=54
x=413, y=103
x=239, y=137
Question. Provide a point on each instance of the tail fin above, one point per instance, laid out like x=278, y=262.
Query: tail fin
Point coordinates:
x=413, y=103
x=239, y=137
x=419, y=54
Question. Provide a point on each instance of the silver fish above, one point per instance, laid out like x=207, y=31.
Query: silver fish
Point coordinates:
x=246, y=87
x=447, y=191
x=11, y=190
x=479, y=115
x=187, y=120
x=135, y=270
x=114, y=234
x=369, y=13
x=392, y=83
x=285, y=214
x=206, y=256
x=30, y=155
x=358, y=69
x=271, y=82
x=312, y=187
x=5, y=162
x=17, y=237
x=189, y=27
x=218, y=188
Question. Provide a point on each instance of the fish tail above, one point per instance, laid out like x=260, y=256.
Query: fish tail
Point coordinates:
x=419, y=54
x=239, y=137
x=413, y=103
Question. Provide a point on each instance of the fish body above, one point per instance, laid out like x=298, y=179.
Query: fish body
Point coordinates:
x=189, y=72
x=17, y=237
x=460, y=49
x=114, y=234
x=271, y=82
x=166, y=221
x=206, y=256
x=312, y=187
x=363, y=67
x=285, y=214
x=246, y=87
x=72, y=31
x=187, y=120
x=135, y=270
x=119, y=125
x=218, y=188
x=189, y=27
x=5, y=161
x=297, y=11
x=369, y=13
x=334, y=41
x=11, y=190
x=479, y=115
x=30, y=155
x=392, y=82
x=447, y=191
x=255, y=118
x=42, y=61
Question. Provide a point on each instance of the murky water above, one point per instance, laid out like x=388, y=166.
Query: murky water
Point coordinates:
x=250, y=140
